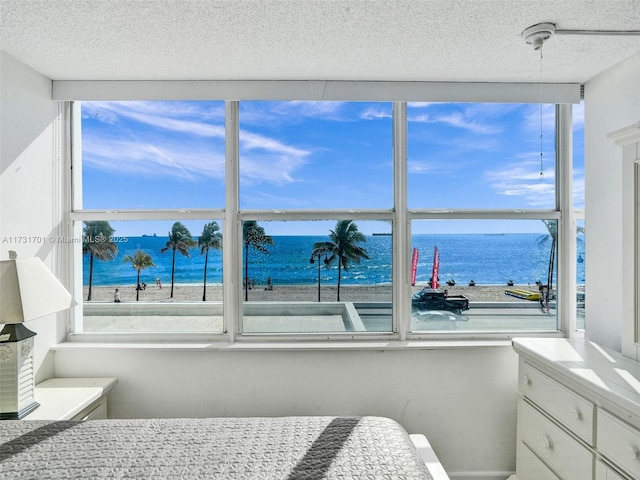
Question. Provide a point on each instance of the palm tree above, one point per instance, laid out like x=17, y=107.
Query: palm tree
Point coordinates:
x=210, y=238
x=180, y=240
x=96, y=241
x=321, y=254
x=552, y=228
x=253, y=236
x=139, y=261
x=343, y=247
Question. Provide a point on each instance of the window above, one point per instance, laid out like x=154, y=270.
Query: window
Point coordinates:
x=581, y=300
x=317, y=277
x=477, y=190
x=148, y=205
x=152, y=155
x=489, y=156
x=315, y=155
x=493, y=275
x=578, y=202
x=166, y=281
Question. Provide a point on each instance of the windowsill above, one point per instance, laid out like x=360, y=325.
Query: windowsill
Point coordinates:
x=286, y=345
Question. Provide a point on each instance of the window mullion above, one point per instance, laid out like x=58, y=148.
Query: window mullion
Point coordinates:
x=231, y=253
x=75, y=168
x=567, y=225
x=401, y=234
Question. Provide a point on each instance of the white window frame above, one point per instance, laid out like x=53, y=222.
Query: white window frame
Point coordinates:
x=400, y=215
x=629, y=140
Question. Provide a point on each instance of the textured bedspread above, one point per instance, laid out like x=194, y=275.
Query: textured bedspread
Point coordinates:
x=342, y=448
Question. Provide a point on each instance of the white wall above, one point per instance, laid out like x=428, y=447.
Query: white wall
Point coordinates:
x=463, y=399
x=612, y=102
x=27, y=202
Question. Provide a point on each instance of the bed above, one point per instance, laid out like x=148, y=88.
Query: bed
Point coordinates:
x=211, y=448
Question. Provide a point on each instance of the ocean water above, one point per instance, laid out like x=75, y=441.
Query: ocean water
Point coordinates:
x=487, y=259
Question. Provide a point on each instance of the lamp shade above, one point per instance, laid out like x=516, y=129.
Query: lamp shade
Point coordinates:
x=29, y=290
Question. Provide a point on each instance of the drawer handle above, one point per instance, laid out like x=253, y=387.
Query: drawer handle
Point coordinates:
x=547, y=442
x=526, y=380
x=576, y=413
x=633, y=453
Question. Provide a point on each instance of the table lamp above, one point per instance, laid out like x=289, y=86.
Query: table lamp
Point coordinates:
x=28, y=290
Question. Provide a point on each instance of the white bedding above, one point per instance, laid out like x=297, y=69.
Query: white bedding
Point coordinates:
x=255, y=448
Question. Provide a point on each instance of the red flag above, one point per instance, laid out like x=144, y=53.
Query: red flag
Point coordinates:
x=436, y=267
x=414, y=266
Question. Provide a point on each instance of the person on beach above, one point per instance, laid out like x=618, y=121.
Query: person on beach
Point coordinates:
x=269, y=284
x=116, y=296
x=544, y=298
x=158, y=283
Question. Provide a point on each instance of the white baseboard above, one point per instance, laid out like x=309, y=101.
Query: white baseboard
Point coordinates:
x=481, y=475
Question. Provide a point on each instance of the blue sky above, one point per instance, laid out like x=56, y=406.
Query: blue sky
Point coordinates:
x=320, y=155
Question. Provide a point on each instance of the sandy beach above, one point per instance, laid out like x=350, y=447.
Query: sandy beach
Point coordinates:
x=296, y=293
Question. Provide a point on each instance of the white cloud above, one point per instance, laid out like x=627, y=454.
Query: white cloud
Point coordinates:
x=295, y=111
x=181, y=117
x=425, y=166
x=457, y=119
x=261, y=199
x=269, y=168
x=578, y=188
x=254, y=141
x=541, y=117
x=418, y=118
x=141, y=158
x=136, y=138
x=375, y=113
x=419, y=104
x=476, y=119
x=420, y=168
x=523, y=179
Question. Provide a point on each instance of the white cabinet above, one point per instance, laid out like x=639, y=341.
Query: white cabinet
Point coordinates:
x=578, y=412
x=72, y=399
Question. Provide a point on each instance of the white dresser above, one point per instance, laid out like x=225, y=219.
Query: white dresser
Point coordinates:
x=578, y=412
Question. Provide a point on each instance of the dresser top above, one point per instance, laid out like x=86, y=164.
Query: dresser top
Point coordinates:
x=62, y=398
x=609, y=378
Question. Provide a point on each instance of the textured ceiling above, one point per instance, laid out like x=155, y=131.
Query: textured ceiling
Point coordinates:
x=414, y=40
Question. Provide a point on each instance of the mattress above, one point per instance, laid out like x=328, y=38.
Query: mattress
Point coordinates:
x=253, y=448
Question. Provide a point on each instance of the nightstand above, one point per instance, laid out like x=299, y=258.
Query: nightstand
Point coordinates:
x=72, y=399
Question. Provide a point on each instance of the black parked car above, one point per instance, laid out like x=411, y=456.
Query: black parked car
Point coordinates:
x=433, y=299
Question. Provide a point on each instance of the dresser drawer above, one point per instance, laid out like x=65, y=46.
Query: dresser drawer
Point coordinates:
x=562, y=452
x=604, y=472
x=95, y=411
x=569, y=408
x=530, y=467
x=620, y=442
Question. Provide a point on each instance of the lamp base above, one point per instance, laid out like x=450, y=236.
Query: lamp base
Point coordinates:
x=17, y=398
x=21, y=414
